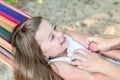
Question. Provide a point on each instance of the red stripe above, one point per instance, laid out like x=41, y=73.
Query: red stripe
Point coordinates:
x=9, y=17
x=10, y=61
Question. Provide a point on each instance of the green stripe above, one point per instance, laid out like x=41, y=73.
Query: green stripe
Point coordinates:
x=5, y=33
x=6, y=53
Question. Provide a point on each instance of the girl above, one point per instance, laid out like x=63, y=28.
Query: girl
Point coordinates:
x=37, y=42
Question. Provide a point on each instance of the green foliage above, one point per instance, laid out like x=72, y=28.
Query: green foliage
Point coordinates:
x=12, y=1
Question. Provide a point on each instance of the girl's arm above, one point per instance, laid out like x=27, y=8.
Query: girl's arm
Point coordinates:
x=103, y=42
x=112, y=71
x=114, y=54
x=81, y=38
x=108, y=45
x=70, y=72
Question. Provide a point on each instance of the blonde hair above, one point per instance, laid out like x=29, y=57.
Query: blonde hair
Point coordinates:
x=29, y=61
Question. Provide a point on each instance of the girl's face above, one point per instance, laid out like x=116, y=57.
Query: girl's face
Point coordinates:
x=51, y=39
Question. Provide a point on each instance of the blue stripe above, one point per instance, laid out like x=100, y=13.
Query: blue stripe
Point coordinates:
x=12, y=13
x=6, y=53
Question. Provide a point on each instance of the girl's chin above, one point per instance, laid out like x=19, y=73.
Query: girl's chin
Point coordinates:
x=65, y=45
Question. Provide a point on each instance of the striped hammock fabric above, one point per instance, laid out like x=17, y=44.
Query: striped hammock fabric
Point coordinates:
x=10, y=17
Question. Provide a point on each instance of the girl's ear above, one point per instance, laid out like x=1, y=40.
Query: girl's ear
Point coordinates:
x=46, y=57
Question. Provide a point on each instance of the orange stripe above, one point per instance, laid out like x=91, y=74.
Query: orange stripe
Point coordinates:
x=10, y=23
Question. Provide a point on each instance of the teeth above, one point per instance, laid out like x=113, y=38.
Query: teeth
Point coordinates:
x=63, y=40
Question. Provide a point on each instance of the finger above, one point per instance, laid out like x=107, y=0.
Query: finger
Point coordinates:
x=87, y=45
x=82, y=53
x=77, y=51
x=97, y=56
x=76, y=57
x=79, y=61
x=84, y=68
x=76, y=62
x=80, y=67
x=93, y=47
x=89, y=41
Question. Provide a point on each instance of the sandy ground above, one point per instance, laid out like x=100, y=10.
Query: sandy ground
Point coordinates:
x=85, y=16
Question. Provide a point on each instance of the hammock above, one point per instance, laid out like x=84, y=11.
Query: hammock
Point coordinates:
x=10, y=16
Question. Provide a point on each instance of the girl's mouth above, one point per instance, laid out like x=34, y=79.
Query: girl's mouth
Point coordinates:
x=64, y=40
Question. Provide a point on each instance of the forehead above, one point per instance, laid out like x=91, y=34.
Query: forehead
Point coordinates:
x=43, y=30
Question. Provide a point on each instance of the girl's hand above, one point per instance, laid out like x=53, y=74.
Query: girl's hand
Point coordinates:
x=88, y=61
x=100, y=43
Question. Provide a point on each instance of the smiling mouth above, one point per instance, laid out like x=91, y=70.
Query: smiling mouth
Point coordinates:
x=64, y=39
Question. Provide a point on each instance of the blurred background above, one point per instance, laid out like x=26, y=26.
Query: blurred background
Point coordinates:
x=85, y=16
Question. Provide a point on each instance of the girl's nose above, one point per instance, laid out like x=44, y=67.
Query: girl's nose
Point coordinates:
x=59, y=33
x=58, y=29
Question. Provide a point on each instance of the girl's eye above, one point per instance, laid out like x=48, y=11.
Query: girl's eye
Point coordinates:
x=55, y=27
x=52, y=37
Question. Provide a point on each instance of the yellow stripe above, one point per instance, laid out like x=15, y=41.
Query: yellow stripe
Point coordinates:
x=7, y=62
x=7, y=46
x=7, y=24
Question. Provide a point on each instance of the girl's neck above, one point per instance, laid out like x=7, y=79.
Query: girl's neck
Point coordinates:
x=63, y=54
